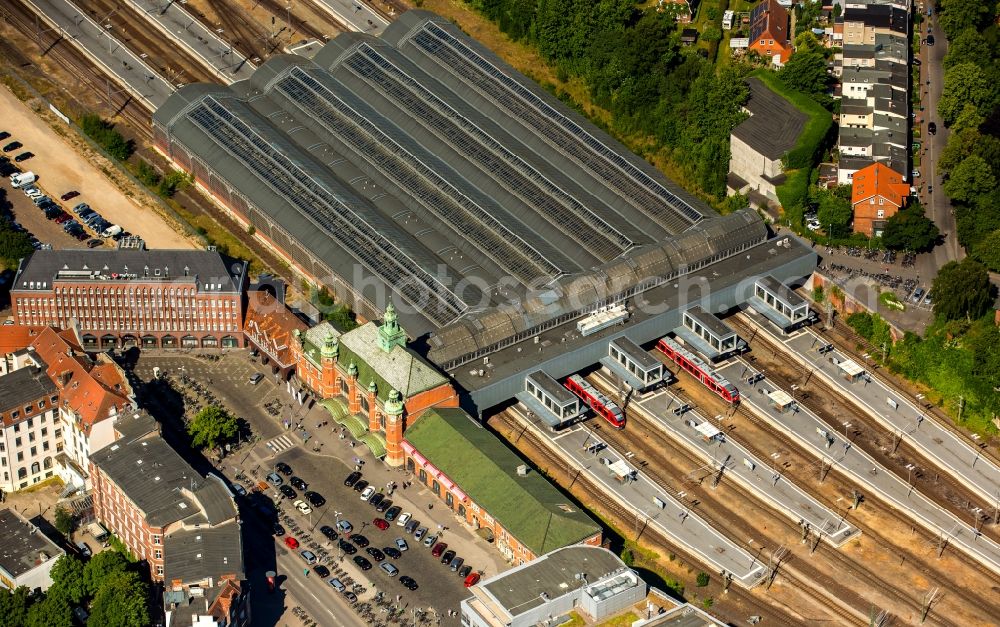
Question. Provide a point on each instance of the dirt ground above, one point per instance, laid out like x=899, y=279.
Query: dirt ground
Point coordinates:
x=61, y=167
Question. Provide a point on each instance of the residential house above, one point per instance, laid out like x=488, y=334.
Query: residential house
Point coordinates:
x=877, y=193
x=769, y=36
x=26, y=554
x=30, y=435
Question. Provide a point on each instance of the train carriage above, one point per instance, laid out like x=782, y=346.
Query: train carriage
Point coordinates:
x=697, y=367
x=593, y=398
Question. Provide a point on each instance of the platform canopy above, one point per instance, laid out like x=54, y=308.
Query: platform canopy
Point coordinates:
x=851, y=368
x=781, y=398
x=707, y=430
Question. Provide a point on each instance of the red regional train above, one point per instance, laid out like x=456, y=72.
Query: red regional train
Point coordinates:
x=697, y=367
x=601, y=404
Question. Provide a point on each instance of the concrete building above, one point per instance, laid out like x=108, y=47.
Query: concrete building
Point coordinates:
x=758, y=144
x=589, y=580
x=769, y=36
x=26, y=554
x=30, y=436
x=133, y=297
x=877, y=193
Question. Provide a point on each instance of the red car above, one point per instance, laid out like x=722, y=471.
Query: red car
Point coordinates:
x=69, y=195
x=381, y=524
x=439, y=549
x=291, y=542
x=62, y=218
x=471, y=580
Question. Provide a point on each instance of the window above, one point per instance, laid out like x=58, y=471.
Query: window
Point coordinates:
x=157, y=539
x=436, y=487
x=422, y=474
x=158, y=554
x=159, y=571
x=881, y=213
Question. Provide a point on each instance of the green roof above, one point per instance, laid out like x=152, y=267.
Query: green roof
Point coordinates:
x=399, y=369
x=529, y=507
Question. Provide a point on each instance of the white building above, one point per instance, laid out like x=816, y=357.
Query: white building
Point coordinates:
x=26, y=555
x=30, y=434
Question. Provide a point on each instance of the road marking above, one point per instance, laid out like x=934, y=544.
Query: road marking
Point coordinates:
x=280, y=443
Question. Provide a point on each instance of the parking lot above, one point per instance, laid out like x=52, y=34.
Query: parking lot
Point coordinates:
x=34, y=221
x=323, y=459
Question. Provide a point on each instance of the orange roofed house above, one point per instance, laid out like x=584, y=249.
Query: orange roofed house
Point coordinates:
x=877, y=193
x=769, y=31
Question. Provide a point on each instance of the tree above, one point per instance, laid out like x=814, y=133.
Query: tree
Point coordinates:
x=52, y=611
x=711, y=33
x=100, y=567
x=968, y=117
x=969, y=47
x=988, y=251
x=955, y=16
x=962, y=290
x=120, y=602
x=68, y=579
x=806, y=72
x=14, y=245
x=969, y=179
x=342, y=317
x=964, y=83
x=65, y=520
x=910, y=229
x=834, y=213
x=14, y=606
x=212, y=426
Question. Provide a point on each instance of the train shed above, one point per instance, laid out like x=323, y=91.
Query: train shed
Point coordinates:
x=633, y=365
x=779, y=304
x=710, y=336
x=550, y=401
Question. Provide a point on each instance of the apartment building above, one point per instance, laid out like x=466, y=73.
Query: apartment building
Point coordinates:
x=30, y=437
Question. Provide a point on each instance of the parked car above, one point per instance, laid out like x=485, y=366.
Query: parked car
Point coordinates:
x=309, y=557
x=345, y=526
x=360, y=486
x=303, y=507
x=84, y=548
x=337, y=585
x=402, y=545
x=69, y=195
x=392, y=512
x=239, y=490
x=287, y=492
x=439, y=548
x=94, y=243
x=347, y=547
x=24, y=156
x=350, y=596
x=381, y=524
x=932, y=128
x=277, y=530
x=315, y=499
x=359, y=540
x=328, y=531
x=362, y=563
x=291, y=542
x=389, y=568
x=255, y=379
x=408, y=582
x=367, y=493
x=321, y=570
x=471, y=580
x=411, y=526
x=298, y=483
x=455, y=564
x=430, y=541
x=918, y=294
x=352, y=478
x=12, y=146
x=4, y=135
x=403, y=519
x=383, y=505
x=447, y=556
x=377, y=555
x=80, y=207
x=930, y=40
x=392, y=552
x=375, y=499
x=275, y=480
x=464, y=571
x=283, y=468
x=420, y=533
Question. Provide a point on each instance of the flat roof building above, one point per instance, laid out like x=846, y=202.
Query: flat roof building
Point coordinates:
x=26, y=554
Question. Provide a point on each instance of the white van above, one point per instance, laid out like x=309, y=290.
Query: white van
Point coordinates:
x=111, y=231
x=24, y=178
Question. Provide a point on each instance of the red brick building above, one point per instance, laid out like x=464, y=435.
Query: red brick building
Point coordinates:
x=769, y=31
x=271, y=328
x=133, y=297
x=877, y=193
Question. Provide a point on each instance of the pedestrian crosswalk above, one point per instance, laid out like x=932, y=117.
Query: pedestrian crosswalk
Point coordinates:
x=281, y=443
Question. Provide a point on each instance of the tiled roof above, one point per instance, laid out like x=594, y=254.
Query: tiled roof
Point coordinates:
x=879, y=180
x=94, y=391
x=269, y=325
x=14, y=337
x=528, y=507
x=399, y=369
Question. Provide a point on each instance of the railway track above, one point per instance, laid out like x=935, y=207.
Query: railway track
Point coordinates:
x=709, y=404
x=808, y=573
x=772, y=613
x=873, y=438
x=52, y=45
x=170, y=59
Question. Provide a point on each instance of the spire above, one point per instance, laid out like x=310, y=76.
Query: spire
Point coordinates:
x=352, y=370
x=373, y=387
x=330, y=345
x=393, y=406
x=390, y=334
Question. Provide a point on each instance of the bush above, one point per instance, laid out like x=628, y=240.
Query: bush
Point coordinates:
x=65, y=521
x=812, y=138
x=628, y=558
x=702, y=579
x=146, y=174
x=105, y=135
